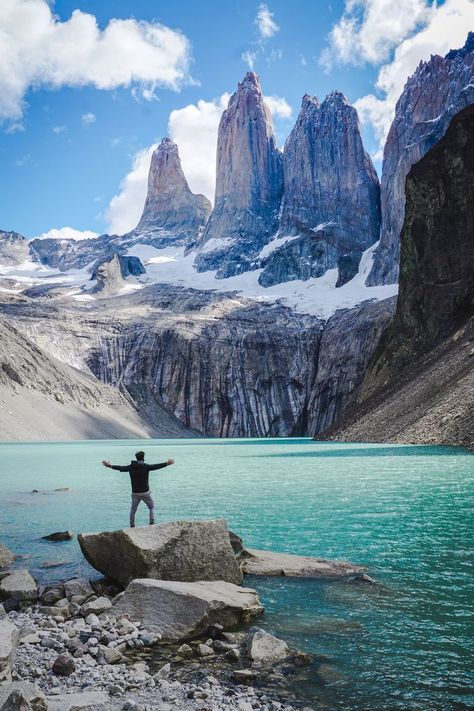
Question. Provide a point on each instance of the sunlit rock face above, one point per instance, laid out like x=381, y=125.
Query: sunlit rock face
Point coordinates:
x=432, y=96
x=331, y=195
x=14, y=248
x=249, y=184
x=172, y=212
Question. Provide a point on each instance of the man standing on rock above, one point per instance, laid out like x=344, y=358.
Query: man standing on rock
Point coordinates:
x=139, y=472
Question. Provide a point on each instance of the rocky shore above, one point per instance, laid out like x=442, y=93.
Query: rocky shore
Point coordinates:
x=148, y=643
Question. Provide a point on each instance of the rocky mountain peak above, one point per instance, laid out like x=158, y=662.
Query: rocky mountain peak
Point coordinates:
x=171, y=209
x=14, y=248
x=331, y=195
x=249, y=183
x=439, y=88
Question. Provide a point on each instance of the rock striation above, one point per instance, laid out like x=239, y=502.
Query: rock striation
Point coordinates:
x=425, y=356
x=181, y=550
x=172, y=212
x=249, y=184
x=331, y=199
x=178, y=611
x=437, y=91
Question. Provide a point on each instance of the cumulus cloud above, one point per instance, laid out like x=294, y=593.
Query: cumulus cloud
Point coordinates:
x=279, y=107
x=126, y=207
x=369, y=30
x=88, y=119
x=67, y=233
x=446, y=29
x=194, y=129
x=266, y=25
x=38, y=50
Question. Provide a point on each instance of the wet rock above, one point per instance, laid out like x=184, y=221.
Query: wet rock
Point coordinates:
x=11, y=604
x=22, y=696
x=8, y=642
x=263, y=648
x=59, y=536
x=180, y=611
x=258, y=562
x=64, y=665
x=301, y=659
x=6, y=556
x=113, y=656
x=181, y=551
x=20, y=585
x=244, y=676
x=185, y=650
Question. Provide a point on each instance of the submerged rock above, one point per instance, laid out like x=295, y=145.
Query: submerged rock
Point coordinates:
x=180, y=611
x=59, y=536
x=180, y=550
x=6, y=556
x=256, y=562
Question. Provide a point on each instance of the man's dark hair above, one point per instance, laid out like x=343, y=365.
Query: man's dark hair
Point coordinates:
x=140, y=456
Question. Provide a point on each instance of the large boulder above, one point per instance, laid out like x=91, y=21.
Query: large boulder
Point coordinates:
x=264, y=648
x=22, y=696
x=6, y=556
x=8, y=642
x=255, y=562
x=20, y=585
x=180, y=611
x=185, y=551
x=80, y=701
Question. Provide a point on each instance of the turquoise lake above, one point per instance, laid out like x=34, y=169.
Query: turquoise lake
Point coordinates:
x=404, y=511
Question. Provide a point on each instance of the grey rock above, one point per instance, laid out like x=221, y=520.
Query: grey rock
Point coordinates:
x=244, y=676
x=265, y=649
x=101, y=604
x=8, y=642
x=59, y=536
x=111, y=272
x=204, y=650
x=112, y=655
x=80, y=701
x=51, y=596
x=438, y=90
x=14, y=248
x=249, y=183
x=164, y=672
x=331, y=195
x=64, y=665
x=78, y=587
x=180, y=550
x=185, y=650
x=257, y=562
x=22, y=696
x=20, y=585
x=180, y=611
x=6, y=556
x=172, y=213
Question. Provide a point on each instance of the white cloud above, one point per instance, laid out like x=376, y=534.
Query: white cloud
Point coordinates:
x=38, y=50
x=194, y=129
x=59, y=129
x=266, y=25
x=249, y=57
x=278, y=106
x=88, y=118
x=67, y=233
x=20, y=162
x=447, y=29
x=126, y=207
x=369, y=29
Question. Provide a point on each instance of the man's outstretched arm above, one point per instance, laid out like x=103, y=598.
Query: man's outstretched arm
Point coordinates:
x=117, y=467
x=154, y=467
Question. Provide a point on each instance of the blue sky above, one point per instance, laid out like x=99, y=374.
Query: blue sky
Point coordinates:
x=67, y=150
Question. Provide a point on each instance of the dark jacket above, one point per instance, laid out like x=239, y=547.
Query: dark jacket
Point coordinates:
x=139, y=474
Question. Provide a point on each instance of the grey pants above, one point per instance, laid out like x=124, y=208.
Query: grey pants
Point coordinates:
x=147, y=498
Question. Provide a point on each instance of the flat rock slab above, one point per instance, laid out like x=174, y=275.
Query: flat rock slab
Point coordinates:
x=80, y=701
x=255, y=562
x=181, y=611
x=8, y=641
x=18, y=584
x=185, y=551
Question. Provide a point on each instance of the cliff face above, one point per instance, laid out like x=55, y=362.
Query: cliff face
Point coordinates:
x=420, y=384
x=331, y=195
x=172, y=212
x=249, y=183
x=437, y=91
